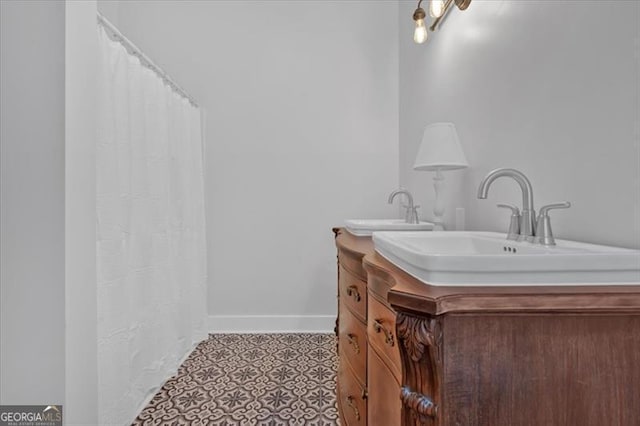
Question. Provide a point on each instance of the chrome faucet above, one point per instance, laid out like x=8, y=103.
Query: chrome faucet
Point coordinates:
x=528, y=215
x=411, y=215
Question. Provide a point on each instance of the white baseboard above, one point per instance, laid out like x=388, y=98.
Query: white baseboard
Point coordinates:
x=271, y=323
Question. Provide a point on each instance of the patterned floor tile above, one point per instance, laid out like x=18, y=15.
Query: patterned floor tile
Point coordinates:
x=251, y=379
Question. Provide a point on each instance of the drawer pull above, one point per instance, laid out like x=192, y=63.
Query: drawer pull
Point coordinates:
x=351, y=403
x=352, y=290
x=388, y=335
x=353, y=340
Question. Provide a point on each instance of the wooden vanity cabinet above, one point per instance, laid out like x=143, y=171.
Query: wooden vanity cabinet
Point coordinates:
x=482, y=356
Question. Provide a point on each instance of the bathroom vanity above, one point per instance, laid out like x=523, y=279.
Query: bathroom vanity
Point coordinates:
x=418, y=354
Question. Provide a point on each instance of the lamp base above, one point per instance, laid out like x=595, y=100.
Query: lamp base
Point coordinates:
x=438, y=207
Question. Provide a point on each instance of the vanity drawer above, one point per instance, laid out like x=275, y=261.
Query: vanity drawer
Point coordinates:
x=352, y=262
x=353, y=342
x=353, y=402
x=383, y=404
x=381, y=332
x=353, y=293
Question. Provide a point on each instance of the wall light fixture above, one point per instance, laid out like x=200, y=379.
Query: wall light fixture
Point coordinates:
x=437, y=10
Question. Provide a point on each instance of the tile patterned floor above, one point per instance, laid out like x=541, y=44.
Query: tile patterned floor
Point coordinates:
x=251, y=379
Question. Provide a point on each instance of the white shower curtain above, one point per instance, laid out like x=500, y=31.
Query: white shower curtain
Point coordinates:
x=150, y=232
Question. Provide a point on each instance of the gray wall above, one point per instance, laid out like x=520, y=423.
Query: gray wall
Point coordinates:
x=32, y=262
x=301, y=102
x=550, y=88
x=81, y=384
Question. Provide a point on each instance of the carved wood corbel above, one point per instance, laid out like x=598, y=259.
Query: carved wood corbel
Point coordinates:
x=420, y=342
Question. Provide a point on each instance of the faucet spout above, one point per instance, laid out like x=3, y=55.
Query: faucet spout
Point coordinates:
x=412, y=215
x=398, y=192
x=528, y=217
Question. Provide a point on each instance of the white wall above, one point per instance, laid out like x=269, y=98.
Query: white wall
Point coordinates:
x=302, y=132
x=32, y=185
x=81, y=378
x=549, y=88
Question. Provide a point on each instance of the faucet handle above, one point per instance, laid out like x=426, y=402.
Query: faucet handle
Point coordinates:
x=514, y=209
x=514, y=225
x=407, y=206
x=544, y=210
x=544, y=234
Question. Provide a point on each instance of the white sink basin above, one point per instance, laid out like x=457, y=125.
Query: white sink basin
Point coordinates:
x=365, y=227
x=488, y=258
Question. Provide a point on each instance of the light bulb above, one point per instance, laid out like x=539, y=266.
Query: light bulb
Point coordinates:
x=436, y=8
x=420, y=33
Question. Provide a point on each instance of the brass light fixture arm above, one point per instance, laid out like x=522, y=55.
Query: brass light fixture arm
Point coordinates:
x=461, y=4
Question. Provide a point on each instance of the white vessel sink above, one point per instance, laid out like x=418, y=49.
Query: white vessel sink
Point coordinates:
x=488, y=258
x=365, y=227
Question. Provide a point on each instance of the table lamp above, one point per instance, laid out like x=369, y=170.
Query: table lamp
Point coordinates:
x=440, y=150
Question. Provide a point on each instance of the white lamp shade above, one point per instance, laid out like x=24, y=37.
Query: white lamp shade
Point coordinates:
x=440, y=149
